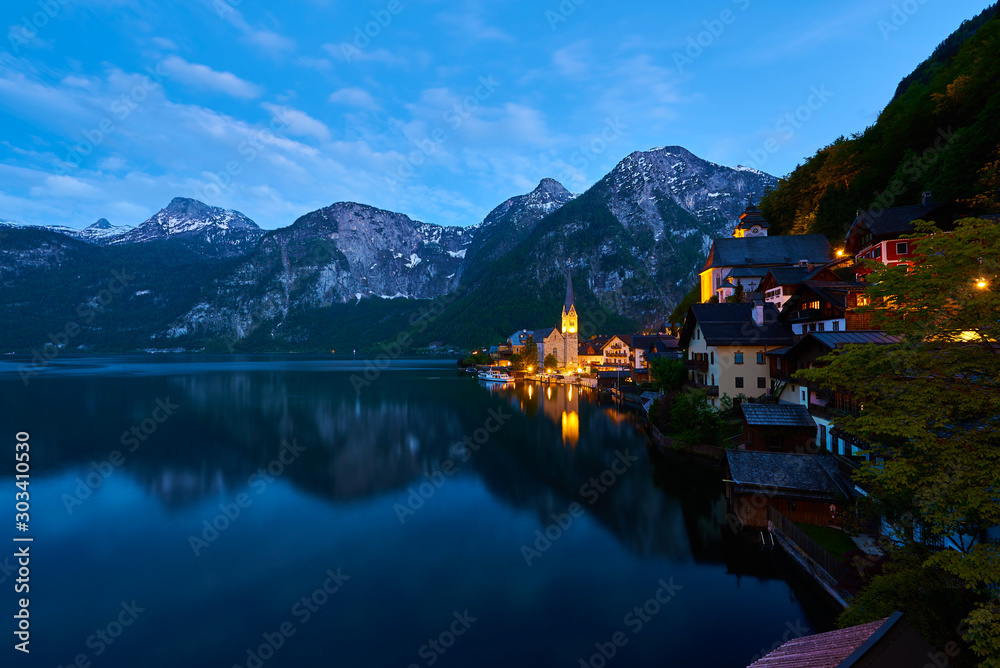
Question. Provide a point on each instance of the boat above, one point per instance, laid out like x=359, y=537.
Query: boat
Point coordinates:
x=471, y=370
x=495, y=376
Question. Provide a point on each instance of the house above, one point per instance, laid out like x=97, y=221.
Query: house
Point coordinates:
x=778, y=428
x=518, y=340
x=823, y=405
x=652, y=346
x=826, y=306
x=617, y=351
x=886, y=235
x=753, y=254
x=780, y=282
x=807, y=488
x=726, y=347
x=886, y=643
x=591, y=353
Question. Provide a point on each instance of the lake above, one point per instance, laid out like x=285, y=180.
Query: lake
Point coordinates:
x=297, y=511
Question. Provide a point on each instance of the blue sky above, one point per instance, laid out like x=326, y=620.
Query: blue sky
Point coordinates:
x=439, y=110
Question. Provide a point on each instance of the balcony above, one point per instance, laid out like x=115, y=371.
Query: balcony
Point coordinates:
x=696, y=365
x=710, y=390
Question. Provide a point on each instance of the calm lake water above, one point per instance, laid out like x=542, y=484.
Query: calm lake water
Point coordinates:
x=251, y=483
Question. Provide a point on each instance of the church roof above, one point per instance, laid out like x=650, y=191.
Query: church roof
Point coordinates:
x=781, y=250
x=752, y=216
x=569, y=292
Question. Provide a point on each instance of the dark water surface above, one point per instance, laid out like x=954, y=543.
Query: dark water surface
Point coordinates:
x=311, y=479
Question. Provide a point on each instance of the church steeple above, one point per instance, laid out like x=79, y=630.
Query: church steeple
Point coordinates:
x=752, y=223
x=569, y=318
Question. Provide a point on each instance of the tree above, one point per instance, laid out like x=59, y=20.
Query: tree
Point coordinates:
x=517, y=362
x=667, y=374
x=551, y=361
x=738, y=293
x=530, y=352
x=930, y=407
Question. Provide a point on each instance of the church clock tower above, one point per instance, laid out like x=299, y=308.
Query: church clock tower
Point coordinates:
x=570, y=328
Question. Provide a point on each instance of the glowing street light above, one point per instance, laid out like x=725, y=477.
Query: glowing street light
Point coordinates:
x=981, y=284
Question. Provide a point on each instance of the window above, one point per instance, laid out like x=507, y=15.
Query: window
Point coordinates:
x=711, y=360
x=761, y=382
x=822, y=326
x=778, y=363
x=901, y=248
x=760, y=358
x=862, y=300
x=836, y=325
x=803, y=397
x=738, y=359
x=814, y=304
x=739, y=381
x=713, y=379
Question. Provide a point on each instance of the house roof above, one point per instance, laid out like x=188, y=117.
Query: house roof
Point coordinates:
x=832, y=292
x=832, y=340
x=826, y=650
x=519, y=338
x=540, y=335
x=588, y=348
x=733, y=324
x=662, y=342
x=764, y=251
x=624, y=338
x=777, y=415
x=886, y=642
x=894, y=221
x=803, y=475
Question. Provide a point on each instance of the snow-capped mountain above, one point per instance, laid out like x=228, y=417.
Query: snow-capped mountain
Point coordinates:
x=342, y=253
x=102, y=232
x=511, y=222
x=213, y=231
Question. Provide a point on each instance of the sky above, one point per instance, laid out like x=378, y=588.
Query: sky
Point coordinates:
x=437, y=109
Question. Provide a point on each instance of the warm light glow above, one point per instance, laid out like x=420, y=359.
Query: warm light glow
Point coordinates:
x=548, y=371
x=530, y=369
x=981, y=283
x=840, y=252
x=570, y=427
x=548, y=392
x=530, y=392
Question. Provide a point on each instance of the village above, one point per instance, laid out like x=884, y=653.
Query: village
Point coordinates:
x=769, y=306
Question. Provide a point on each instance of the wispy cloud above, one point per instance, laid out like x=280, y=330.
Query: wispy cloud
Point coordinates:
x=298, y=122
x=204, y=77
x=354, y=97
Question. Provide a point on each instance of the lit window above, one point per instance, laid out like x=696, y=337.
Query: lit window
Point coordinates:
x=738, y=358
x=739, y=381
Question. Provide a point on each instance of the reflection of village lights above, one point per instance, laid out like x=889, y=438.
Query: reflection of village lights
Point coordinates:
x=570, y=427
x=548, y=392
x=530, y=391
x=571, y=393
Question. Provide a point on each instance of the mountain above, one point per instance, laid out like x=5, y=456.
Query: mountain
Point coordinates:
x=102, y=232
x=511, y=222
x=208, y=230
x=634, y=243
x=350, y=275
x=340, y=254
x=940, y=133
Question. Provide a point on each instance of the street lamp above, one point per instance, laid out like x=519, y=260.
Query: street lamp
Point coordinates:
x=981, y=284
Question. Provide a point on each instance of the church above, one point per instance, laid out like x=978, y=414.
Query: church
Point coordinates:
x=564, y=341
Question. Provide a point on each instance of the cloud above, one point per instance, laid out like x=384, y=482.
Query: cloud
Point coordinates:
x=266, y=40
x=348, y=53
x=202, y=76
x=64, y=186
x=354, y=97
x=164, y=43
x=298, y=122
x=571, y=61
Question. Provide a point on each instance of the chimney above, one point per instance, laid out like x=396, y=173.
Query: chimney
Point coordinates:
x=925, y=198
x=758, y=312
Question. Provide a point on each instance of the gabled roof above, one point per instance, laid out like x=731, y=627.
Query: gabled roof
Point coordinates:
x=800, y=475
x=886, y=642
x=729, y=324
x=894, y=221
x=588, y=348
x=659, y=342
x=777, y=415
x=747, y=272
x=832, y=340
x=540, y=335
x=765, y=251
x=519, y=338
x=832, y=292
x=624, y=338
